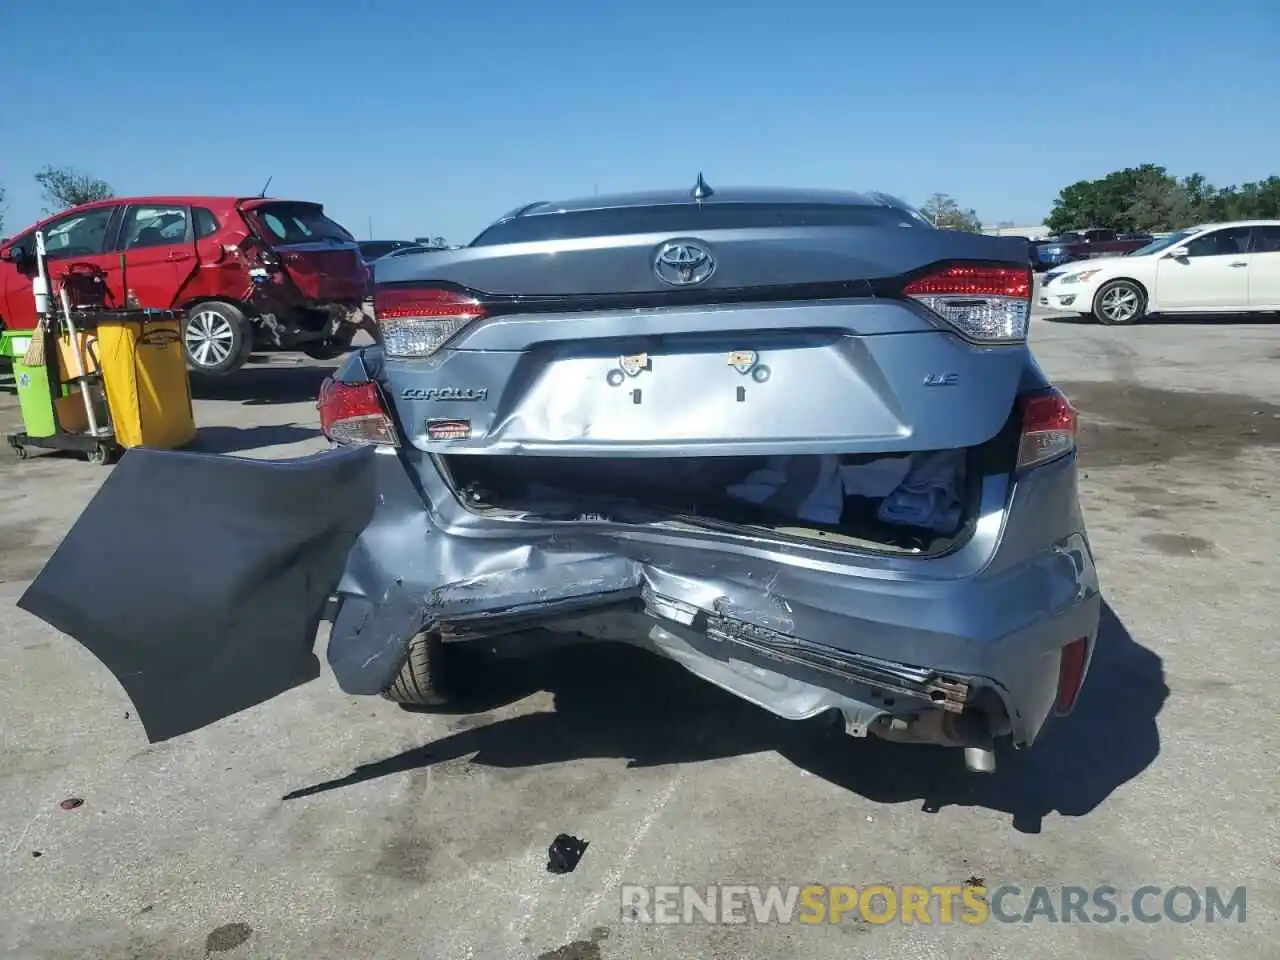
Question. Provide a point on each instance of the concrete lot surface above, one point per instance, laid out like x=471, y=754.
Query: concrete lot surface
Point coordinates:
x=322, y=826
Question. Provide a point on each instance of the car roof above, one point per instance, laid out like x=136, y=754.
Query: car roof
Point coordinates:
x=186, y=200
x=648, y=198
x=1235, y=223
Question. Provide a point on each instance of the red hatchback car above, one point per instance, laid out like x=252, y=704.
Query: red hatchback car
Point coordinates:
x=252, y=273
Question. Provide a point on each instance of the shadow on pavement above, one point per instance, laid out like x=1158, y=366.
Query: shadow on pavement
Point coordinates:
x=256, y=386
x=620, y=702
x=239, y=439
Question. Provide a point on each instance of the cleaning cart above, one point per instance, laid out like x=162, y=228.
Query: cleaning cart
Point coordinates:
x=97, y=380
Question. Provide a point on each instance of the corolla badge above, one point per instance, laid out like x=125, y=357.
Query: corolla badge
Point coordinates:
x=682, y=263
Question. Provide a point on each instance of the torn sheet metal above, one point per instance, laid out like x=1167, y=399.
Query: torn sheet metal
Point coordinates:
x=796, y=636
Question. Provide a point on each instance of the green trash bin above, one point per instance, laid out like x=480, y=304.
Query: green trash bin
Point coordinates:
x=35, y=392
x=35, y=398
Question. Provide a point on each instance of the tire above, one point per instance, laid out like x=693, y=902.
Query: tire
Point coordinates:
x=422, y=679
x=1119, y=303
x=217, y=338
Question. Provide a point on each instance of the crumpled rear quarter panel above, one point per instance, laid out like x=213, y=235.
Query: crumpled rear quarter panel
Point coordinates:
x=1001, y=614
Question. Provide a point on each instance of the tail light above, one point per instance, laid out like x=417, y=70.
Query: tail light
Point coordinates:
x=1071, y=674
x=987, y=303
x=1048, y=428
x=354, y=413
x=416, y=321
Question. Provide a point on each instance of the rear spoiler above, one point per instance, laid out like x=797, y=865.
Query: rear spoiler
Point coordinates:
x=252, y=203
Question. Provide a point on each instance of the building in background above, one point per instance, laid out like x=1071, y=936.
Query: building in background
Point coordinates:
x=1037, y=232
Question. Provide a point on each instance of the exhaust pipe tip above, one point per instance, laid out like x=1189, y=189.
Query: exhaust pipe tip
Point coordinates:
x=980, y=759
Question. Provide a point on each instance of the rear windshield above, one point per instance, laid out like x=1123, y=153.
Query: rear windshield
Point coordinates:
x=686, y=218
x=286, y=223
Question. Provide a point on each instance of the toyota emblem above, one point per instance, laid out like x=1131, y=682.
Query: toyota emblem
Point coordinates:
x=682, y=263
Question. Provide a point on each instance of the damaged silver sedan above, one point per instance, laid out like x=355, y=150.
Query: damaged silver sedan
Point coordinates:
x=794, y=440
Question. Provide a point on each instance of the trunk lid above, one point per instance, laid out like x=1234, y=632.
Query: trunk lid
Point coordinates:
x=752, y=256
x=317, y=254
x=796, y=339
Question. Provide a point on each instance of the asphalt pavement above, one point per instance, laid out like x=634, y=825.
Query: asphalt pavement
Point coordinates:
x=325, y=826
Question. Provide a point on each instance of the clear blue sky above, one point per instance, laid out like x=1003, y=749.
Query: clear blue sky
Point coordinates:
x=434, y=117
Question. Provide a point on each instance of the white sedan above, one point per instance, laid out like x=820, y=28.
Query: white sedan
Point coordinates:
x=1213, y=268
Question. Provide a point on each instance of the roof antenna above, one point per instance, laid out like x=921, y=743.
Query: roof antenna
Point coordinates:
x=264, y=188
x=700, y=189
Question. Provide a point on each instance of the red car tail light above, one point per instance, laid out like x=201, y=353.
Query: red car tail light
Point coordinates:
x=1071, y=674
x=417, y=320
x=984, y=302
x=354, y=413
x=1048, y=428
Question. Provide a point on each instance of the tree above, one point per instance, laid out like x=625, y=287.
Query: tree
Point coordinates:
x=947, y=214
x=64, y=187
x=1148, y=197
x=1158, y=205
x=1249, y=201
x=1108, y=202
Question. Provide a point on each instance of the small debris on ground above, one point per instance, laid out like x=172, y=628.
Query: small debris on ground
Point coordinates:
x=564, y=853
x=36, y=853
x=578, y=950
x=227, y=937
x=975, y=881
x=71, y=803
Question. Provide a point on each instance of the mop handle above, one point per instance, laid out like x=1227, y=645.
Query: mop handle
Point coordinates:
x=75, y=352
x=42, y=276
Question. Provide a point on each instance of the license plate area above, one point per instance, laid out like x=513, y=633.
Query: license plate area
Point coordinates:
x=789, y=392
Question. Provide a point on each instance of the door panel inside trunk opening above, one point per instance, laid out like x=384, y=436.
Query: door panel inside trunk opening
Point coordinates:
x=920, y=502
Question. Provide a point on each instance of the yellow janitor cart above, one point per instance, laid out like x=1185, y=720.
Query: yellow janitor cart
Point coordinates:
x=144, y=370
x=98, y=380
x=124, y=383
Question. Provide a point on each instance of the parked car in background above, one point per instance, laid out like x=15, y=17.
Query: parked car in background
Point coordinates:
x=1213, y=268
x=795, y=441
x=407, y=251
x=372, y=250
x=1085, y=245
x=252, y=273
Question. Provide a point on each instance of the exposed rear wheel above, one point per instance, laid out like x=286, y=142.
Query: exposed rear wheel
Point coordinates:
x=217, y=339
x=1119, y=302
x=422, y=681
